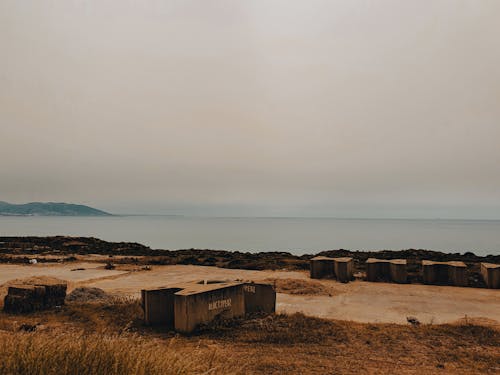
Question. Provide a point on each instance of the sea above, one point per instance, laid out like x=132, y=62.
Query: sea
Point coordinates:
x=295, y=235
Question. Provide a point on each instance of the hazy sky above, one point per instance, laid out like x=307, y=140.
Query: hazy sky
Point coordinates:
x=332, y=108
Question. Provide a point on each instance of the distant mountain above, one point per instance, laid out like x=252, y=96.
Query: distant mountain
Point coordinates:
x=49, y=209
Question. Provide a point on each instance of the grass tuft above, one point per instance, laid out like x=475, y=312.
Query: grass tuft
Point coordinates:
x=74, y=354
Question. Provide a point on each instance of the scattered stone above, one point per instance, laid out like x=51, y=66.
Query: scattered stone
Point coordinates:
x=28, y=327
x=413, y=321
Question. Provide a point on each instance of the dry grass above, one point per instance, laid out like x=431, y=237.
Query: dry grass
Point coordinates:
x=97, y=338
x=109, y=338
x=71, y=354
x=299, y=286
x=300, y=344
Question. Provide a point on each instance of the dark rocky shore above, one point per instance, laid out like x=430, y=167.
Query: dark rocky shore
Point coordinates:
x=62, y=248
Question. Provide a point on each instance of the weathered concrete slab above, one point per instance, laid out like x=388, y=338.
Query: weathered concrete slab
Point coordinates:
x=325, y=267
x=202, y=303
x=259, y=297
x=491, y=275
x=448, y=273
x=393, y=270
x=185, y=306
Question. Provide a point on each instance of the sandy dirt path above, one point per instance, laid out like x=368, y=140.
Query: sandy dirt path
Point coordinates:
x=358, y=301
x=62, y=271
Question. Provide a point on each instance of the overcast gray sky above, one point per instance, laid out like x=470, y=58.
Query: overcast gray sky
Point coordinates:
x=330, y=108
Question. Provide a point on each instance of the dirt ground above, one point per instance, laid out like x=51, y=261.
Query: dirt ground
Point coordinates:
x=358, y=301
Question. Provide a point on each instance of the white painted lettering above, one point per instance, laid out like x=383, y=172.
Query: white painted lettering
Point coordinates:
x=220, y=304
x=249, y=288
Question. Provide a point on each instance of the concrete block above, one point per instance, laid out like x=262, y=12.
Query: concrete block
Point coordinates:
x=434, y=272
x=393, y=270
x=185, y=306
x=54, y=293
x=448, y=273
x=259, y=298
x=343, y=269
x=398, y=271
x=457, y=273
x=322, y=267
x=29, y=298
x=377, y=270
x=202, y=303
x=491, y=275
x=158, y=306
x=325, y=267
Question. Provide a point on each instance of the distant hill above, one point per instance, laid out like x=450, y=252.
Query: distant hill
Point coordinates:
x=49, y=209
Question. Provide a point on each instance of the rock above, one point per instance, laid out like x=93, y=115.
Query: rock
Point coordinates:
x=413, y=321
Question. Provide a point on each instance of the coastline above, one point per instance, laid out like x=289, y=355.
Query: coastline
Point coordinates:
x=67, y=249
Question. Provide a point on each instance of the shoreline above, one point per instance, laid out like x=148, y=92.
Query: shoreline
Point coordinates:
x=66, y=249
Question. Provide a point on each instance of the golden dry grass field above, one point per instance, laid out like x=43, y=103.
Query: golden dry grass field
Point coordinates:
x=110, y=338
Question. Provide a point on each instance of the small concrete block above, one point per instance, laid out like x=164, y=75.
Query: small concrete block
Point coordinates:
x=491, y=275
x=343, y=268
x=450, y=273
x=321, y=267
x=325, y=267
x=386, y=270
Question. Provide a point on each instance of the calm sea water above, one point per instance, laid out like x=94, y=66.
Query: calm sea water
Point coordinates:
x=296, y=235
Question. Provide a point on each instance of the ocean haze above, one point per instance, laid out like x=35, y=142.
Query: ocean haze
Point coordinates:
x=262, y=108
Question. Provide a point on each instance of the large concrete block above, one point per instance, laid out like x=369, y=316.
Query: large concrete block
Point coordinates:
x=491, y=275
x=386, y=270
x=259, y=298
x=325, y=267
x=185, y=306
x=449, y=273
x=202, y=303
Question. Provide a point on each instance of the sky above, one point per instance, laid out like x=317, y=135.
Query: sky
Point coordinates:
x=253, y=108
